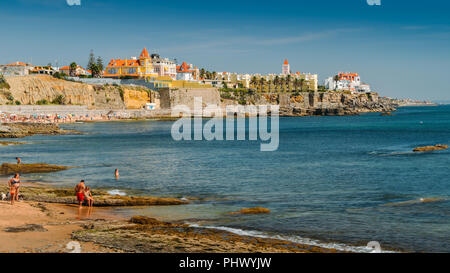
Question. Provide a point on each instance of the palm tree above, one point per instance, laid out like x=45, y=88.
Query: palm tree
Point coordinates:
x=302, y=81
x=276, y=81
x=254, y=81
x=296, y=84
x=262, y=81
x=288, y=81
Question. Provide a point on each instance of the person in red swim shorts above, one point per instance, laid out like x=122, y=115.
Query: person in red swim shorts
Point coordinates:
x=79, y=191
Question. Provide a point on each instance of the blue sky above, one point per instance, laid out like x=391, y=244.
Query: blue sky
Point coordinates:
x=401, y=48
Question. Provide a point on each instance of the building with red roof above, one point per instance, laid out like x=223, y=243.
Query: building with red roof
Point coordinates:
x=15, y=69
x=141, y=67
x=187, y=72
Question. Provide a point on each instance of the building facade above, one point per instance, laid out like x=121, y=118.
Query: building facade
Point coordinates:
x=346, y=82
x=164, y=66
x=79, y=71
x=139, y=68
x=286, y=69
x=187, y=72
x=15, y=69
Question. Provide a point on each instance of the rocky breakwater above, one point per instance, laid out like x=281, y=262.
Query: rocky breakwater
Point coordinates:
x=19, y=130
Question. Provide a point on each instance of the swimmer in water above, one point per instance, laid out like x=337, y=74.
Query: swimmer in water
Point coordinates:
x=116, y=173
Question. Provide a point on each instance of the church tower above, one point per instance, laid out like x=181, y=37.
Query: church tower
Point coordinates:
x=286, y=68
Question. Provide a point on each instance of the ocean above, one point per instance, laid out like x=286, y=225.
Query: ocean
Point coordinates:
x=334, y=181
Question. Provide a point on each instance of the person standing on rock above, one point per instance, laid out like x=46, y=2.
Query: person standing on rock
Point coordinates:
x=79, y=191
x=18, y=160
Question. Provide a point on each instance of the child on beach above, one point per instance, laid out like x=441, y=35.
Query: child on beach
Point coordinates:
x=88, y=196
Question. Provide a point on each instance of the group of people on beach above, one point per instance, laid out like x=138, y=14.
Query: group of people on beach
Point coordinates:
x=57, y=118
x=84, y=193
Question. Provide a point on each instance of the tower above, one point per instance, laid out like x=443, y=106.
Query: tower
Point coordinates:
x=145, y=62
x=286, y=68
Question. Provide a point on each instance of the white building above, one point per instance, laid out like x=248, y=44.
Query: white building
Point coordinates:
x=164, y=66
x=286, y=69
x=346, y=82
x=15, y=69
x=187, y=72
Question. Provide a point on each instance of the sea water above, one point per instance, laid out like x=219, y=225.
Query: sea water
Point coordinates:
x=334, y=181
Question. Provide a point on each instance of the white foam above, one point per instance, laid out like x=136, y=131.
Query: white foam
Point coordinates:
x=294, y=239
x=117, y=192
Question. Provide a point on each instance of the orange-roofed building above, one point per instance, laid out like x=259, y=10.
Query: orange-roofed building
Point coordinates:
x=79, y=71
x=133, y=67
x=187, y=72
x=15, y=69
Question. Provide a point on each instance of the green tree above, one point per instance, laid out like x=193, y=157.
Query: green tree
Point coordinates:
x=92, y=63
x=100, y=65
x=261, y=83
x=254, y=81
x=276, y=82
x=73, y=69
x=95, y=70
x=202, y=73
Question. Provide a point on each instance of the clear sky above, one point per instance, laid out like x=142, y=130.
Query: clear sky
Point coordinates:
x=401, y=48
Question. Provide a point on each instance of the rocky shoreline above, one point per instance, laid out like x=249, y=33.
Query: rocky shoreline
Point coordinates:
x=147, y=235
x=47, y=220
x=102, y=198
x=20, y=130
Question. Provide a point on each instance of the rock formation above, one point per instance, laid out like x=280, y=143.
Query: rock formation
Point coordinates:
x=8, y=168
x=431, y=148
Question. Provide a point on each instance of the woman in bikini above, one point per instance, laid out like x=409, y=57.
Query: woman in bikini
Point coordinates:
x=88, y=196
x=15, y=182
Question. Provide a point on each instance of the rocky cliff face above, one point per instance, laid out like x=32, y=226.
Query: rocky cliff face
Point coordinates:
x=312, y=103
x=39, y=89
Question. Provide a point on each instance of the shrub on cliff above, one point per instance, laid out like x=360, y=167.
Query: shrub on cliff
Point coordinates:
x=60, y=75
x=42, y=102
x=59, y=100
x=3, y=83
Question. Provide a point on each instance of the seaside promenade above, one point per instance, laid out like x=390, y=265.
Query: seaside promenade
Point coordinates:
x=71, y=113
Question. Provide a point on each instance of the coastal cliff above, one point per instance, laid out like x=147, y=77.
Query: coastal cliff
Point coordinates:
x=44, y=89
x=291, y=104
x=311, y=103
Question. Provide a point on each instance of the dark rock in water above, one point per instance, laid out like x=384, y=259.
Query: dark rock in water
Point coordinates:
x=8, y=168
x=147, y=221
x=26, y=228
x=431, y=148
x=257, y=210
